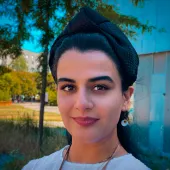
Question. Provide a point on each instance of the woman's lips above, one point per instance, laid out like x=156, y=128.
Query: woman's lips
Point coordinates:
x=85, y=121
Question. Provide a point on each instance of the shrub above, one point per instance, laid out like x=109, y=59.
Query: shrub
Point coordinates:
x=4, y=96
x=52, y=98
x=4, y=70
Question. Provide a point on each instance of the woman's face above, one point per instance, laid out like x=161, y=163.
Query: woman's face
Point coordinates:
x=89, y=94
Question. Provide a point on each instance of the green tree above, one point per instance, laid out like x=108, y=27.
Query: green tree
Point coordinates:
x=43, y=16
x=52, y=97
x=27, y=83
x=4, y=70
x=13, y=34
x=4, y=95
x=5, y=83
x=51, y=89
x=18, y=83
x=19, y=64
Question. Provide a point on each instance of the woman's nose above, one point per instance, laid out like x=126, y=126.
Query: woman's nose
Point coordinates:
x=83, y=101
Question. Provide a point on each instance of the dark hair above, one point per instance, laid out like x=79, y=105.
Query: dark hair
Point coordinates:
x=95, y=41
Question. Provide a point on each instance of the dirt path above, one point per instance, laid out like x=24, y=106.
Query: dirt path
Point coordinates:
x=54, y=109
x=36, y=106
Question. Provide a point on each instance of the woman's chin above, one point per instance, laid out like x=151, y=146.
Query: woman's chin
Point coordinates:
x=88, y=139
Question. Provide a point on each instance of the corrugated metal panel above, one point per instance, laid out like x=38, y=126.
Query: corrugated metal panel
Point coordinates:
x=166, y=147
x=157, y=111
x=142, y=100
x=152, y=102
x=159, y=63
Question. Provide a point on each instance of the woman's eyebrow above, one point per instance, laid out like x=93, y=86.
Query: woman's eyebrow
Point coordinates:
x=107, y=78
x=65, y=80
x=100, y=78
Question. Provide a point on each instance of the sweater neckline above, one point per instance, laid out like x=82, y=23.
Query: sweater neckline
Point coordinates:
x=88, y=164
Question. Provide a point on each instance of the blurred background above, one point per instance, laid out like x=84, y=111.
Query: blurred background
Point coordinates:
x=30, y=122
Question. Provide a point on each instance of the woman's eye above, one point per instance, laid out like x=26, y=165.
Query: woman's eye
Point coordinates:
x=100, y=87
x=67, y=88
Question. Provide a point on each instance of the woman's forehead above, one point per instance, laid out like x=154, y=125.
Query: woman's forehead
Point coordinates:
x=81, y=67
x=89, y=63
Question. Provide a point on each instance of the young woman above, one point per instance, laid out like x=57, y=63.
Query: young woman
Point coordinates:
x=94, y=66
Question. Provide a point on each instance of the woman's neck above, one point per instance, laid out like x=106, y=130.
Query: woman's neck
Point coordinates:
x=91, y=153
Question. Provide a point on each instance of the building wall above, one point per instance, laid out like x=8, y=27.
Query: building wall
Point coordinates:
x=157, y=101
x=152, y=101
x=142, y=101
x=166, y=147
x=31, y=59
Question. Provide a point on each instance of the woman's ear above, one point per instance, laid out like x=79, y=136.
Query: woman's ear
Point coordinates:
x=126, y=97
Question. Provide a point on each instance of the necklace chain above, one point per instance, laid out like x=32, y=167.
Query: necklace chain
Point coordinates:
x=66, y=156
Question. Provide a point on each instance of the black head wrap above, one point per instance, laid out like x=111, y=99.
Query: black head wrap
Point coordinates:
x=90, y=21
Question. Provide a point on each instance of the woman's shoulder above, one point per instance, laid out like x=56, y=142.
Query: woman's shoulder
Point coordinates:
x=128, y=162
x=46, y=162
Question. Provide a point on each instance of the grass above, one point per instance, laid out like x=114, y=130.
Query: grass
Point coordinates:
x=19, y=139
x=15, y=111
x=19, y=135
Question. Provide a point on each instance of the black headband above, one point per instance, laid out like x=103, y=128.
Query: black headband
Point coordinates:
x=90, y=21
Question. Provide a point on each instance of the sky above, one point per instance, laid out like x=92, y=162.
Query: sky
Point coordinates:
x=155, y=11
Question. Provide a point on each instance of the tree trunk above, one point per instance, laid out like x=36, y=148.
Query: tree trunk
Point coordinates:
x=42, y=104
x=44, y=75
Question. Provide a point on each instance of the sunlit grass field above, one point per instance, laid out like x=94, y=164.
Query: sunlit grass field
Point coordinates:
x=19, y=134
x=17, y=111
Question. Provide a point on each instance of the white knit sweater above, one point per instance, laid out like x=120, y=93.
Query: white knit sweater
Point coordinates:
x=53, y=162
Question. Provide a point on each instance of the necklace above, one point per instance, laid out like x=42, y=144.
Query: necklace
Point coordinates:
x=106, y=161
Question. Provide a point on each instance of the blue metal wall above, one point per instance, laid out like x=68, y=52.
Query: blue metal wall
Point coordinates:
x=151, y=132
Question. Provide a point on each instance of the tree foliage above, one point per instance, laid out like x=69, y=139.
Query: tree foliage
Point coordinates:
x=19, y=64
x=14, y=83
x=4, y=95
x=13, y=34
x=18, y=83
x=51, y=88
x=4, y=70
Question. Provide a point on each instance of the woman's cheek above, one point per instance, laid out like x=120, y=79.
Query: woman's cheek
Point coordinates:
x=65, y=104
x=61, y=103
x=110, y=107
